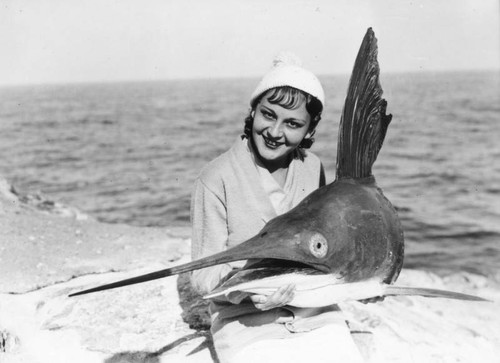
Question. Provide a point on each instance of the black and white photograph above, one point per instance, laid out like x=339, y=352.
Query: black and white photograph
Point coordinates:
x=239, y=181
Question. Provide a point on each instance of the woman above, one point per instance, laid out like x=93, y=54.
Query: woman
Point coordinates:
x=265, y=173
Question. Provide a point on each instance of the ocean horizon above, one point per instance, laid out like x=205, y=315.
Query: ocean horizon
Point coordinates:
x=253, y=78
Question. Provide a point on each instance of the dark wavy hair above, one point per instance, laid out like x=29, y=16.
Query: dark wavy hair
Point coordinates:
x=289, y=98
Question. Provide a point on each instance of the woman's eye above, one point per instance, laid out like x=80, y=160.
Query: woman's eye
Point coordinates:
x=267, y=114
x=293, y=124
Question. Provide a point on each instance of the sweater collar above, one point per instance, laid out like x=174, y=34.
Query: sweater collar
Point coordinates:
x=245, y=159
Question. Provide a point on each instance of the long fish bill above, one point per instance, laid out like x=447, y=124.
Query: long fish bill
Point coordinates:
x=258, y=247
x=187, y=267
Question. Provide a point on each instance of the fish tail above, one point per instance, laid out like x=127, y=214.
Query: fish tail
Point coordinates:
x=400, y=290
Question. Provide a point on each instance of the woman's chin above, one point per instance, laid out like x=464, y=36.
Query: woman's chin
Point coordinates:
x=273, y=158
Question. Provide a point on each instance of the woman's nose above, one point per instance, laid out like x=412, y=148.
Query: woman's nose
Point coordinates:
x=276, y=131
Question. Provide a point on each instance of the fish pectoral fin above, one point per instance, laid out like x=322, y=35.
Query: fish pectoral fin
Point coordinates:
x=420, y=291
x=236, y=296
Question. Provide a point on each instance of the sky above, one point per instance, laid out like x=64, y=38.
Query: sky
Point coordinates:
x=65, y=41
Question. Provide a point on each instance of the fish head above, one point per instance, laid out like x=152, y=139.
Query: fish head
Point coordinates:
x=347, y=228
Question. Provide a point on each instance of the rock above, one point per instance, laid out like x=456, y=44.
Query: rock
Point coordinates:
x=7, y=192
x=141, y=323
x=419, y=329
x=8, y=199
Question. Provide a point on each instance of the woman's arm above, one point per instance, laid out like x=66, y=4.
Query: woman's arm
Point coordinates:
x=209, y=236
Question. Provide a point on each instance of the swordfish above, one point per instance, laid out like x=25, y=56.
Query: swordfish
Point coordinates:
x=344, y=241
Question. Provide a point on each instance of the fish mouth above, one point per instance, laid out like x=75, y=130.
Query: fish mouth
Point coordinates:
x=270, y=264
x=269, y=268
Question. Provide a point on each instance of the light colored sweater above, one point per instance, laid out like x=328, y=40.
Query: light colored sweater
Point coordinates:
x=231, y=203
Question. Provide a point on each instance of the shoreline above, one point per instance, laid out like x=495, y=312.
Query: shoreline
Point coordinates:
x=45, y=255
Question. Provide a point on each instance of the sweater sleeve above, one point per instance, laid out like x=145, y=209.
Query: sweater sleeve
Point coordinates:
x=209, y=236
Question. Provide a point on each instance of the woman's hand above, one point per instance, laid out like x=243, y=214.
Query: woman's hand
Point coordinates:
x=280, y=298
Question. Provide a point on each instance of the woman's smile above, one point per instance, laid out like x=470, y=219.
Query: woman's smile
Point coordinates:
x=271, y=144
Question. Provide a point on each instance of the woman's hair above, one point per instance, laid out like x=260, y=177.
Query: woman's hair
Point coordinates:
x=289, y=98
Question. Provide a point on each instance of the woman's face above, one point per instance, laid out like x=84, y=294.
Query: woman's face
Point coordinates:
x=278, y=131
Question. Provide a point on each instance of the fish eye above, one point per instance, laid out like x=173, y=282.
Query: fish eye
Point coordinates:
x=318, y=245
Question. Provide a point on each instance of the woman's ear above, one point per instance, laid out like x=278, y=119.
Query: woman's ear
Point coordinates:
x=308, y=139
x=310, y=133
x=312, y=127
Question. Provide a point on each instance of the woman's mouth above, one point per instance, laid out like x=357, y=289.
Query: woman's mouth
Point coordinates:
x=271, y=144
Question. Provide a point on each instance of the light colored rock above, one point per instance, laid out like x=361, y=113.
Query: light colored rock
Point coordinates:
x=140, y=323
x=419, y=329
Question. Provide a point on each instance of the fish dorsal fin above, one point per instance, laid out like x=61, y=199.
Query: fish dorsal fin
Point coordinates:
x=363, y=123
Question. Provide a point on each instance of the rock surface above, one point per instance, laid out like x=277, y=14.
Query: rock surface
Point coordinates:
x=47, y=254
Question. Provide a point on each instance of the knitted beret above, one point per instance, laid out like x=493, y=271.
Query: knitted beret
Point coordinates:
x=287, y=71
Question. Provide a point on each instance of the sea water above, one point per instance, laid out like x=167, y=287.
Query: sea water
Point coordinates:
x=129, y=153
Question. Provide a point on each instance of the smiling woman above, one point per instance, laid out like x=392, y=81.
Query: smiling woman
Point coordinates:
x=270, y=159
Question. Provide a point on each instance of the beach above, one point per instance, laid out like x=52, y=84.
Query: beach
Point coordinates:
x=48, y=253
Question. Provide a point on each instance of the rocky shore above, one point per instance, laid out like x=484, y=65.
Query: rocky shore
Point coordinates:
x=48, y=251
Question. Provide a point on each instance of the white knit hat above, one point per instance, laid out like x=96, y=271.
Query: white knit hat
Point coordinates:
x=287, y=71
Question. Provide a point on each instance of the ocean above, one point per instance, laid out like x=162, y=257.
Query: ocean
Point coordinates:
x=129, y=153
